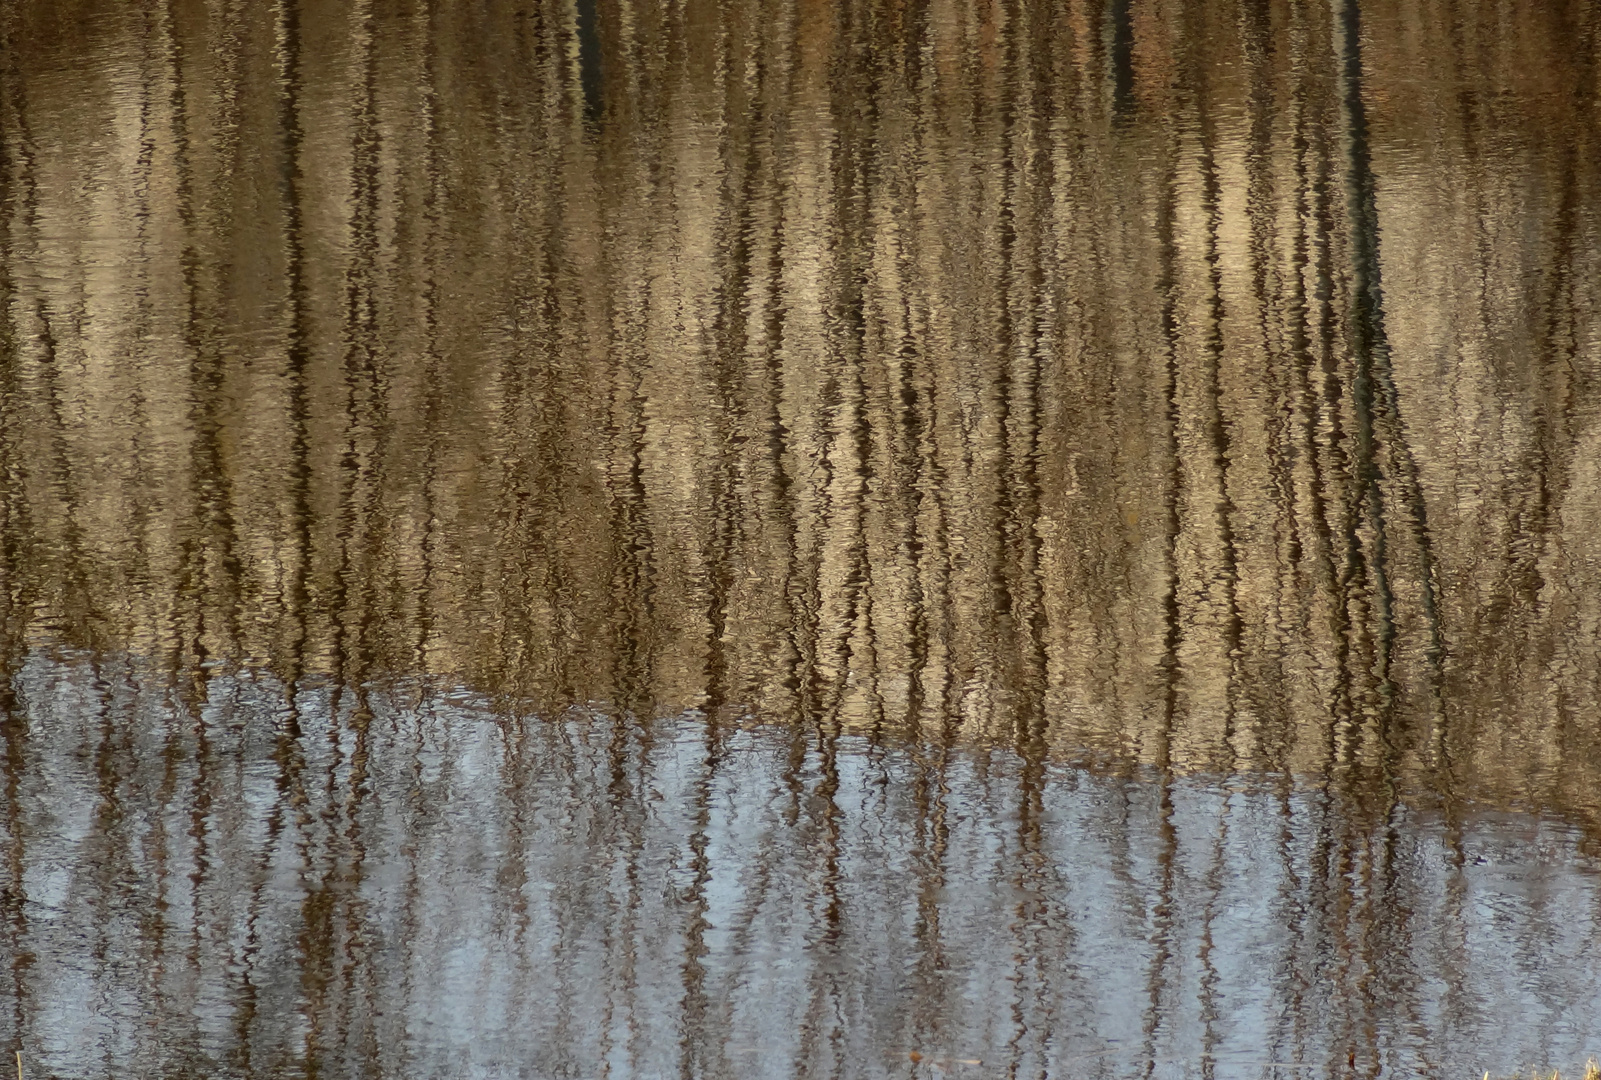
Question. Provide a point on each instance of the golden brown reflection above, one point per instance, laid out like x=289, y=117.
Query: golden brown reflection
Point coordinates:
x=828, y=418
x=1210, y=385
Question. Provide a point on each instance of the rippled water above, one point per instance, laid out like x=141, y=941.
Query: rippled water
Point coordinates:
x=877, y=538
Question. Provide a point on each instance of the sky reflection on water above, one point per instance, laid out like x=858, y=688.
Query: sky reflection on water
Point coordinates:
x=423, y=886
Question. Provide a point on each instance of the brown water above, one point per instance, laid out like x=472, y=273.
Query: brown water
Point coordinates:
x=730, y=539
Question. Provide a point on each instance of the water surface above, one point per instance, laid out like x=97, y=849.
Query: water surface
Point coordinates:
x=765, y=538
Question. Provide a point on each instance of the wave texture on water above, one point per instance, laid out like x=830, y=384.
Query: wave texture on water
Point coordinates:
x=1187, y=410
x=395, y=884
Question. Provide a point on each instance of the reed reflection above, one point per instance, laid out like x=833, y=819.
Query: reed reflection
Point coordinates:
x=414, y=883
x=1146, y=378
x=1196, y=390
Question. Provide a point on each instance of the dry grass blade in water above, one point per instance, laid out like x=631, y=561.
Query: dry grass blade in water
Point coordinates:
x=1592, y=1071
